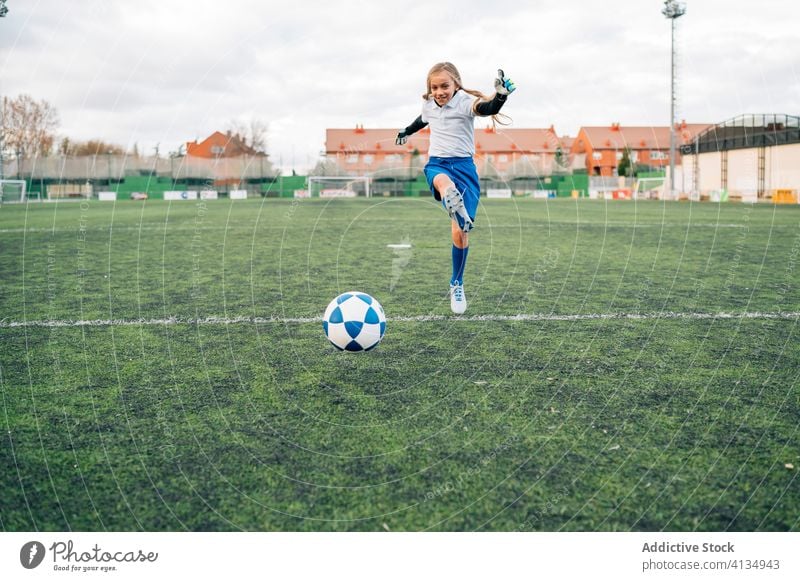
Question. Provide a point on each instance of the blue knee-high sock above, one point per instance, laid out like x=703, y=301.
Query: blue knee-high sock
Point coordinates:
x=459, y=262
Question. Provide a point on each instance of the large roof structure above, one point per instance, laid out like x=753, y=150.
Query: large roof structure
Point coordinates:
x=747, y=131
x=634, y=138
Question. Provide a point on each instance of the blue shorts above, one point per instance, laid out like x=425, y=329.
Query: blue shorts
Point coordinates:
x=464, y=175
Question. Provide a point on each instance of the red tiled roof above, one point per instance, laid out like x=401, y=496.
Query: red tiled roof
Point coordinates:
x=219, y=145
x=504, y=139
x=372, y=140
x=507, y=139
x=648, y=137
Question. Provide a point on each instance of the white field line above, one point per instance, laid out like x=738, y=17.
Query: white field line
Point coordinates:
x=249, y=228
x=533, y=317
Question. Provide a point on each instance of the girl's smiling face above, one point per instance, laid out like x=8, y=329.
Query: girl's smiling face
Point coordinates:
x=442, y=87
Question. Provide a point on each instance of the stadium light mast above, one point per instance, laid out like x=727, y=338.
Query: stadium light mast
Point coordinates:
x=3, y=13
x=2, y=124
x=672, y=10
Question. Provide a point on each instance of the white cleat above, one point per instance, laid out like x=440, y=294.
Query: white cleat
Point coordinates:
x=458, y=300
x=453, y=201
x=467, y=221
x=454, y=204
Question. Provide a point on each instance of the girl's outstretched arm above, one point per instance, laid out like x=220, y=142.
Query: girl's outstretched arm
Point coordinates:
x=402, y=136
x=503, y=88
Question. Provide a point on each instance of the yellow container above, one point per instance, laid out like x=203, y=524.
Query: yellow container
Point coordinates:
x=784, y=197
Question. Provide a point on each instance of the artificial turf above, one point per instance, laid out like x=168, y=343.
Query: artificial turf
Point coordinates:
x=623, y=365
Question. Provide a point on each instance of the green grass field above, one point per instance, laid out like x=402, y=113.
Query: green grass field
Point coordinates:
x=622, y=366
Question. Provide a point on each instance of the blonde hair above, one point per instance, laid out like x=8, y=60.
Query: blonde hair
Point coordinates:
x=451, y=70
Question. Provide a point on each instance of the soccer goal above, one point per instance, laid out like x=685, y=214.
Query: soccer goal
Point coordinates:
x=650, y=189
x=12, y=191
x=338, y=187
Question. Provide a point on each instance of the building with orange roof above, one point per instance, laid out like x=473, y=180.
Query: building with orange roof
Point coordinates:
x=600, y=149
x=498, y=151
x=517, y=151
x=219, y=145
x=223, y=160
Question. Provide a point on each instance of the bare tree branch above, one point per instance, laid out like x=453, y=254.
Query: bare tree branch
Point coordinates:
x=28, y=126
x=91, y=147
x=252, y=133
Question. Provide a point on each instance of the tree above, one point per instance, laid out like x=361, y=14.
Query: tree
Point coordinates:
x=561, y=160
x=91, y=147
x=625, y=167
x=325, y=166
x=28, y=126
x=252, y=133
x=99, y=147
x=65, y=147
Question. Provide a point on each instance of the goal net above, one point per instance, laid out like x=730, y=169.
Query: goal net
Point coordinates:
x=650, y=188
x=12, y=191
x=338, y=187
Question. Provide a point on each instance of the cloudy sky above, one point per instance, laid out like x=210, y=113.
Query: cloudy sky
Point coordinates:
x=168, y=71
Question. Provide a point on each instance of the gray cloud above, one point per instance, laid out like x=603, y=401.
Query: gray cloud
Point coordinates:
x=174, y=70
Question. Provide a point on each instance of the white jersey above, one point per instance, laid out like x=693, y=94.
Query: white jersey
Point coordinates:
x=452, y=126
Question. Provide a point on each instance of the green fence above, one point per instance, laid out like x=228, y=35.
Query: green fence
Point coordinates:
x=285, y=186
x=573, y=183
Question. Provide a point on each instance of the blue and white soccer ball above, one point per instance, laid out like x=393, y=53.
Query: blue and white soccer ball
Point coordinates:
x=354, y=321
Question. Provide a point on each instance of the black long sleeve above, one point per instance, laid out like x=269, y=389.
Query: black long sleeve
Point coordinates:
x=492, y=107
x=415, y=126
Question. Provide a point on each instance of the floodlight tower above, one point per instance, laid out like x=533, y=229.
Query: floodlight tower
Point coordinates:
x=672, y=10
x=1, y=138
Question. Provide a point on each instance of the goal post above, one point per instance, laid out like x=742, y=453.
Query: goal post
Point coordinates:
x=12, y=191
x=650, y=188
x=338, y=186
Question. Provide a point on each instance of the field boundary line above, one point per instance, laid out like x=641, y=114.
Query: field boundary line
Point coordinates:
x=522, y=317
x=160, y=226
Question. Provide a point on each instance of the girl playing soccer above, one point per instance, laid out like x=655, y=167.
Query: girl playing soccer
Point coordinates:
x=450, y=109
